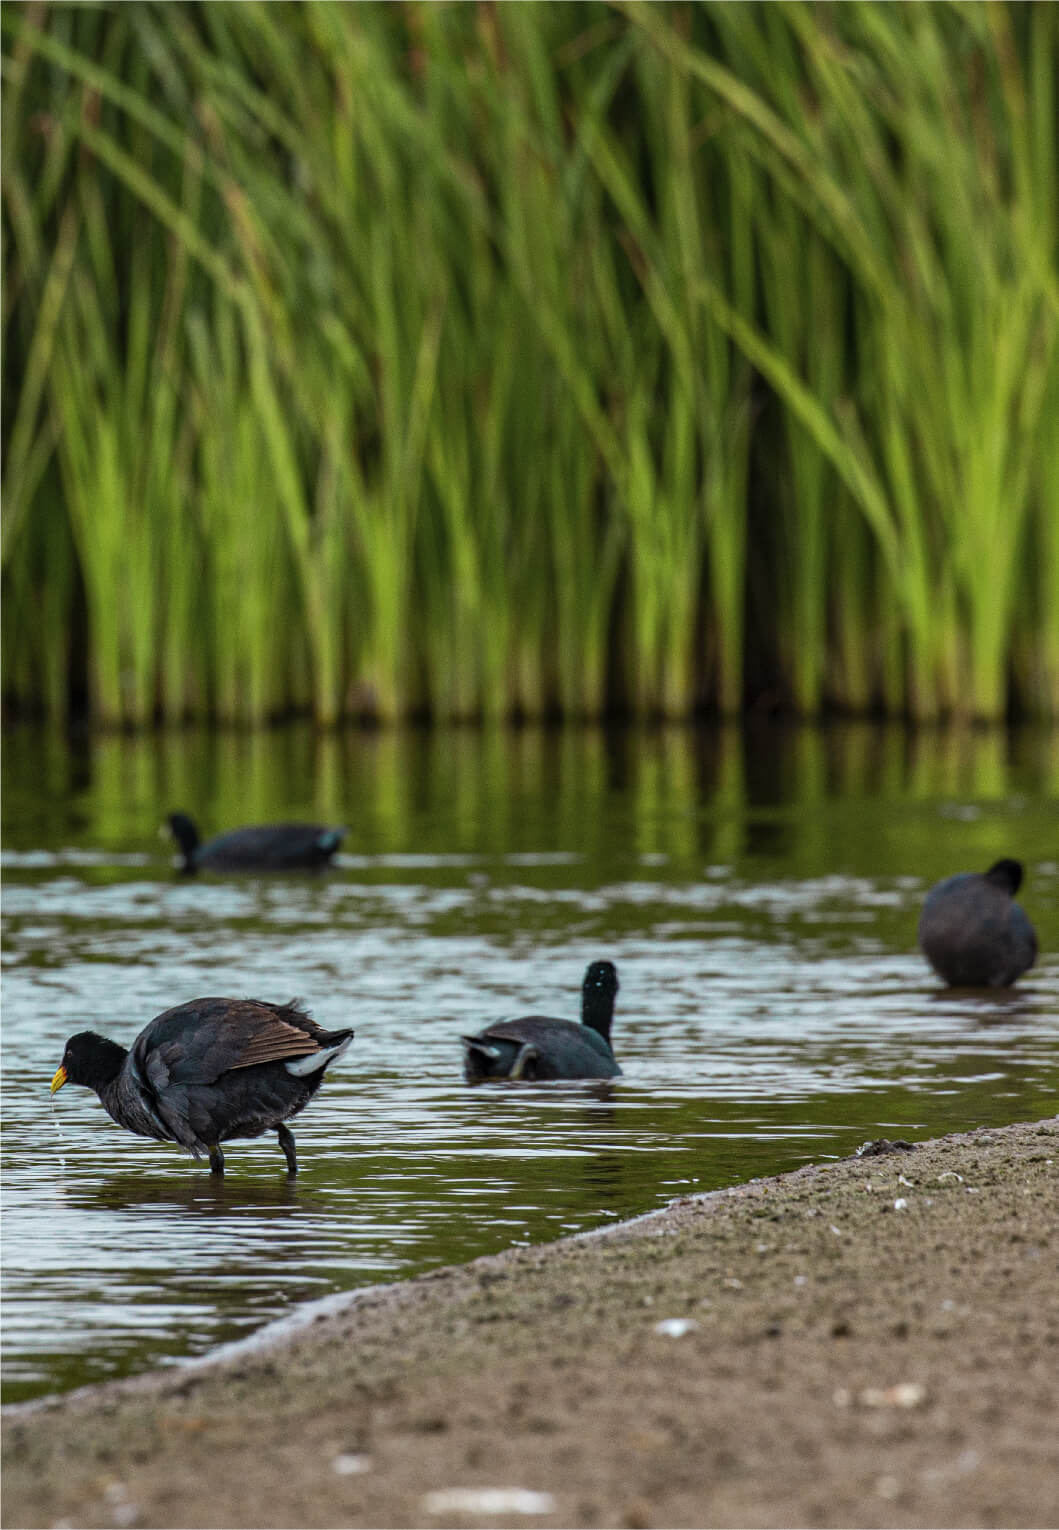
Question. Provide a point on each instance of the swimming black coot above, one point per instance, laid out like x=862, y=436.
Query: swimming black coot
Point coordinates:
x=537, y=1047
x=972, y=931
x=265, y=847
x=208, y=1071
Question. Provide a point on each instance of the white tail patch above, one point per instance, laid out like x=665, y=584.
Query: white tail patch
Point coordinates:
x=300, y=1066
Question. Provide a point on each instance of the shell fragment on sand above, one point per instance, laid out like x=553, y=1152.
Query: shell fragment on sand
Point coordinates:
x=904, y=1394
x=676, y=1328
x=488, y=1501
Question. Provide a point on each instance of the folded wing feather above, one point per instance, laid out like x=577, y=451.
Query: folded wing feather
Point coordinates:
x=267, y=1035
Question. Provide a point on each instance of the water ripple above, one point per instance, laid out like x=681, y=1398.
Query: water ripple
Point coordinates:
x=772, y=1010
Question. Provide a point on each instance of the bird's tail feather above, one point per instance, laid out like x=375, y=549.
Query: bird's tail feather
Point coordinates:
x=300, y=1066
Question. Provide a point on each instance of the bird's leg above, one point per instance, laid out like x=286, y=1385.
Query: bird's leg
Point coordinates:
x=286, y=1142
x=522, y=1066
x=216, y=1159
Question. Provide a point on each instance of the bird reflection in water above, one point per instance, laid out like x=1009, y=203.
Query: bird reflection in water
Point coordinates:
x=209, y=1195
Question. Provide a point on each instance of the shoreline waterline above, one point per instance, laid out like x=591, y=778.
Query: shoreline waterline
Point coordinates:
x=866, y=1341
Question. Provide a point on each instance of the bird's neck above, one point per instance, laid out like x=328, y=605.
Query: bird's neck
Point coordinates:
x=186, y=835
x=597, y=1012
x=102, y=1071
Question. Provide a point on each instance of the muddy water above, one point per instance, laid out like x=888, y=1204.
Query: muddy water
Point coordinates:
x=757, y=890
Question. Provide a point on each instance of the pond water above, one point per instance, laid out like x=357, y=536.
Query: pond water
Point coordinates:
x=757, y=889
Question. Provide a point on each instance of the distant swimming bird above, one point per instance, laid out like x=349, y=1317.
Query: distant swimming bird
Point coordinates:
x=268, y=847
x=972, y=931
x=208, y=1071
x=537, y=1047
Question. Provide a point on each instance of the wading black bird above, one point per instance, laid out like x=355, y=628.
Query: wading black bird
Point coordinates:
x=537, y=1047
x=208, y=1071
x=267, y=847
x=972, y=931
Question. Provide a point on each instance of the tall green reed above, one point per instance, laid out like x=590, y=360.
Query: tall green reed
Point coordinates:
x=372, y=359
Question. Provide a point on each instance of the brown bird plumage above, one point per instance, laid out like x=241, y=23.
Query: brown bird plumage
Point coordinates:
x=209, y=1071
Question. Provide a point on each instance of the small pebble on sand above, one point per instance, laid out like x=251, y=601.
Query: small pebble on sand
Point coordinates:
x=350, y=1465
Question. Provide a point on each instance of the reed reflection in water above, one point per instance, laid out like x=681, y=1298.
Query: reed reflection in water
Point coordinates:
x=757, y=889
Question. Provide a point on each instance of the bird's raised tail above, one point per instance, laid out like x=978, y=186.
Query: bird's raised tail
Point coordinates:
x=489, y=1057
x=316, y=1062
x=329, y=840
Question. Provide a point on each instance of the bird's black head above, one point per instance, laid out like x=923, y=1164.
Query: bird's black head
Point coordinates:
x=601, y=977
x=597, y=997
x=1007, y=875
x=91, y=1060
x=184, y=832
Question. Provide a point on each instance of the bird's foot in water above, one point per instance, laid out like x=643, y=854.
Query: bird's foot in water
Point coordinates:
x=216, y=1160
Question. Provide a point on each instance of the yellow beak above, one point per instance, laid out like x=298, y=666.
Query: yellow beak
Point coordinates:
x=59, y=1080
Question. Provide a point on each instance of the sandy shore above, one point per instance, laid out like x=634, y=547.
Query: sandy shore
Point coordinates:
x=870, y=1342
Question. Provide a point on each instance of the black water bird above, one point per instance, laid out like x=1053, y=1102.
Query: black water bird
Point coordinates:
x=538, y=1047
x=972, y=931
x=209, y=1071
x=264, y=847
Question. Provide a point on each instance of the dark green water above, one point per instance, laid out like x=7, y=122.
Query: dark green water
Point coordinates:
x=758, y=891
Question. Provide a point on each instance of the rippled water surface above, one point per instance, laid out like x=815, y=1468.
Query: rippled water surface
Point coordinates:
x=758, y=891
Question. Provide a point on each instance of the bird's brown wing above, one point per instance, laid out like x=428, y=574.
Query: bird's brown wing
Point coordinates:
x=261, y=1033
x=197, y=1042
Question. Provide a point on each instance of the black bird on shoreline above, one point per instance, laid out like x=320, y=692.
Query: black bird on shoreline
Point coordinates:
x=207, y=1072
x=972, y=931
x=538, y=1047
x=264, y=847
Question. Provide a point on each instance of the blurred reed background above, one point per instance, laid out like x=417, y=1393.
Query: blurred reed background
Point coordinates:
x=487, y=360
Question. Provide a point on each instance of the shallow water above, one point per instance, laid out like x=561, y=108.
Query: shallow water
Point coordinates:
x=758, y=891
